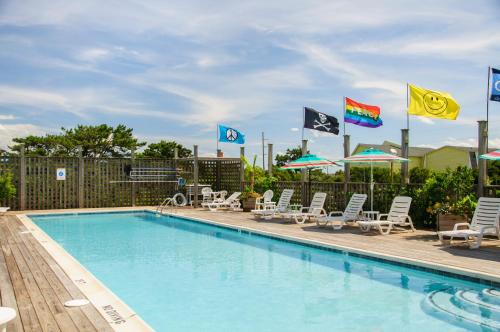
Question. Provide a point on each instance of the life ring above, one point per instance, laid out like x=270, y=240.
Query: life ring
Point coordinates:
x=179, y=199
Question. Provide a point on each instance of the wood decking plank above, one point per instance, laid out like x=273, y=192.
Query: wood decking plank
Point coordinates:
x=55, y=305
x=7, y=296
x=90, y=311
x=26, y=309
x=76, y=314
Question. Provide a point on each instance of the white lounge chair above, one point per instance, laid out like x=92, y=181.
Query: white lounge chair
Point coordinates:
x=314, y=211
x=338, y=218
x=265, y=200
x=232, y=202
x=397, y=217
x=484, y=222
x=206, y=192
x=3, y=210
x=272, y=209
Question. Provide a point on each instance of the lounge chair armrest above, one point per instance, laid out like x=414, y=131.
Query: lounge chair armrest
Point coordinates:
x=336, y=213
x=455, y=228
x=319, y=212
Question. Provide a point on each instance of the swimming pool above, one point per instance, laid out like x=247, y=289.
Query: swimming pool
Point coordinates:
x=183, y=275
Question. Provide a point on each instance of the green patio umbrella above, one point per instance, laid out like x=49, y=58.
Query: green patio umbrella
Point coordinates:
x=309, y=161
x=372, y=156
x=495, y=155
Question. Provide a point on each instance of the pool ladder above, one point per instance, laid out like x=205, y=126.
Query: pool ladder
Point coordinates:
x=167, y=203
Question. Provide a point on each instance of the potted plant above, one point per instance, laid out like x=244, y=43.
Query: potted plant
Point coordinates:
x=451, y=213
x=249, y=196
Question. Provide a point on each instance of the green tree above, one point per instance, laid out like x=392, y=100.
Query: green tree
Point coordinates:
x=165, y=149
x=291, y=154
x=96, y=141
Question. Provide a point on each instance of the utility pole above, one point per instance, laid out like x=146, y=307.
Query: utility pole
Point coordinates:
x=270, y=159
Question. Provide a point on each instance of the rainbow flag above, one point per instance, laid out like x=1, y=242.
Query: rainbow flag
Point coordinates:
x=362, y=114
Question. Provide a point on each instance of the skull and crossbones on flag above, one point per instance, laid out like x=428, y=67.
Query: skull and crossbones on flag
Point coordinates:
x=319, y=121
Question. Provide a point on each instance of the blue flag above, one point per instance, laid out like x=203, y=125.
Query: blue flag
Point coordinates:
x=495, y=85
x=230, y=135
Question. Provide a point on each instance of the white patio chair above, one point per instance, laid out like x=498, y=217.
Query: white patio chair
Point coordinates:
x=314, y=211
x=484, y=222
x=232, y=202
x=272, y=209
x=206, y=192
x=265, y=200
x=351, y=213
x=397, y=217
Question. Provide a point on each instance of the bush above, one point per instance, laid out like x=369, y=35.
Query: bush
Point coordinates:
x=7, y=188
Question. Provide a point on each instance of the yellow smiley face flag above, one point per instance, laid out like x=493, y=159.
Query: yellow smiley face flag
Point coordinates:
x=432, y=104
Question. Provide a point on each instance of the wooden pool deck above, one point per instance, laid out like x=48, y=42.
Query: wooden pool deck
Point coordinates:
x=33, y=282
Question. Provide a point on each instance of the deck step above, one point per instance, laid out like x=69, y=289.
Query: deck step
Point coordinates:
x=491, y=295
x=443, y=305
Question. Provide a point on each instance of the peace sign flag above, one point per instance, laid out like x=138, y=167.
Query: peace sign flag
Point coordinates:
x=230, y=135
x=495, y=85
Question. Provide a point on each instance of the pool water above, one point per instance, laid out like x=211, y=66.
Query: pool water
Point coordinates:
x=182, y=275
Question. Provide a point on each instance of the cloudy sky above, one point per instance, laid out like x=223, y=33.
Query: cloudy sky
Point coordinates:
x=174, y=69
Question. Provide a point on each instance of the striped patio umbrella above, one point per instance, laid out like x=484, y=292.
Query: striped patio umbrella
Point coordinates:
x=373, y=156
x=309, y=161
x=495, y=155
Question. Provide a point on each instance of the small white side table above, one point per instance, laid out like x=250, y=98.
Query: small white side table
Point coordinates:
x=6, y=315
x=371, y=215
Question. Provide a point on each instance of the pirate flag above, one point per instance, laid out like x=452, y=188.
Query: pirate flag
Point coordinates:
x=319, y=121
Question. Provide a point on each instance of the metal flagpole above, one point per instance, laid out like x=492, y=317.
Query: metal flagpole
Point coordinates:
x=488, y=108
x=344, y=114
x=407, y=112
x=303, y=121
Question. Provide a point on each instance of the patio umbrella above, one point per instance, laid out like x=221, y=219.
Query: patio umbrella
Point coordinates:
x=495, y=155
x=309, y=161
x=372, y=156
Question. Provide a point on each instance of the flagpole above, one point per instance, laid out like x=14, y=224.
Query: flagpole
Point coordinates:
x=407, y=112
x=488, y=108
x=217, y=140
x=303, y=121
x=343, y=112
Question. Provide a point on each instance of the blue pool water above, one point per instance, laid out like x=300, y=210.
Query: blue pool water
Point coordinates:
x=181, y=275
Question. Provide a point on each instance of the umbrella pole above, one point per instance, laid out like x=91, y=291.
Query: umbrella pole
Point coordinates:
x=371, y=186
x=309, y=188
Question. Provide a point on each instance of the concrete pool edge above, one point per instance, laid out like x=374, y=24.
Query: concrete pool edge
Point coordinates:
x=115, y=311
x=433, y=267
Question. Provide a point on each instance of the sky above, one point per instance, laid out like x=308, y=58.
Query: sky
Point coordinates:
x=174, y=69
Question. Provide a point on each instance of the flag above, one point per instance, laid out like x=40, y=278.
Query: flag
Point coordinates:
x=433, y=104
x=362, y=114
x=230, y=135
x=495, y=85
x=320, y=121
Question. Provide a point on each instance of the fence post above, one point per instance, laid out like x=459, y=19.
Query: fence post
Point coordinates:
x=81, y=174
x=132, y=185
x=195, y=175
x=347, y=167
x=22, y=178
x=303, y=178
x=405, y=178
x=481, y=149
x=242, y=168
x=270, y=159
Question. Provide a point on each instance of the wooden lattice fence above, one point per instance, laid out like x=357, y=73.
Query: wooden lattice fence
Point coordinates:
x=106, y=182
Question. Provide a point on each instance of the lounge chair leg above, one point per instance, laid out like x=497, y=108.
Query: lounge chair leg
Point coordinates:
x=302, y=219
x=476, y=244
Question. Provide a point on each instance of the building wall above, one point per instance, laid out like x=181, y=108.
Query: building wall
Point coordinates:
x=440, y=159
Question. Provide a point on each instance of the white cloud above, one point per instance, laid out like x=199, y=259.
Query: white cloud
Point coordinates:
x=425, y=120
x=7, y=117
x=93, y=54
x=294, y=129
x=10, y=131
